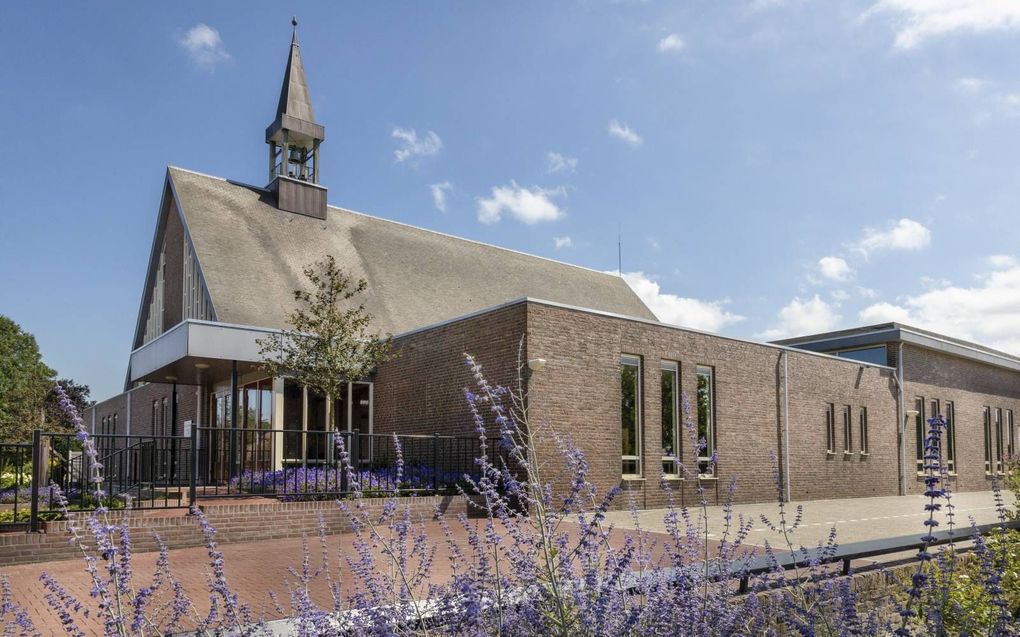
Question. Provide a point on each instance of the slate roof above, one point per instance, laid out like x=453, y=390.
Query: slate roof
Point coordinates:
x=251, y=255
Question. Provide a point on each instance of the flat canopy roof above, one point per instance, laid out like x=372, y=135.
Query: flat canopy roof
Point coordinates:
x=194, y=349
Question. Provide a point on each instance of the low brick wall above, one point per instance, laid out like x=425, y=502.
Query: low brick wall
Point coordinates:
x=246, y=521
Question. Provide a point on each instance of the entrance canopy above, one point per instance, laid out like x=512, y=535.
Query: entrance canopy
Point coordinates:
x=196, y=350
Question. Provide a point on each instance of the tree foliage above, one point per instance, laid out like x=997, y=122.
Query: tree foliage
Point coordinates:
x=330, y=342
x=24, y=381
x=78, y=394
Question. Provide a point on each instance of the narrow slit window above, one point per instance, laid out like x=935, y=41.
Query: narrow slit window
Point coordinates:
x=988, y=439
x=830, y=428
x=670, y=419
x=950, y=434
x=706, y=420
x=848, y=433
x=919, y=434
x=998, y=440
x=864, y=431
x=1010, y=440
x=630, y=414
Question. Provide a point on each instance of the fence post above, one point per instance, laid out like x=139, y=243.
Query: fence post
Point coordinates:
x=435, y=464
x=193, y=481
x=37, y=476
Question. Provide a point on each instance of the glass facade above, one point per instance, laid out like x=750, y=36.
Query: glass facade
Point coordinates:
x=875, y=355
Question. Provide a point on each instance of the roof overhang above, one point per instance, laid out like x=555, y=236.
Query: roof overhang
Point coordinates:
x=897, y=333
x=195, y=351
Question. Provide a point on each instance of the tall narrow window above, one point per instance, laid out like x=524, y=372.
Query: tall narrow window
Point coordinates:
x=706, y=419
x=155, y=418
x=1010, y=442
x=998, y=440
x=848, y=433
x=670, y=419
x=950, y=435
x=630, y=414
x=830, y=429
x=988, y=439
x=919, y=434
x=864, y=431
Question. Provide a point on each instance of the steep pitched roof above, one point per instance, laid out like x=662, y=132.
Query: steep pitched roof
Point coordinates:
x=252, y=254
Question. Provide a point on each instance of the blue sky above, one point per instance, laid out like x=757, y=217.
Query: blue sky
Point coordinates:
x=773, y=167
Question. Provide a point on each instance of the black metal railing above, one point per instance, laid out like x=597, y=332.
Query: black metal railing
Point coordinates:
x=297, y=464
x=15, y=485
x=52, y=473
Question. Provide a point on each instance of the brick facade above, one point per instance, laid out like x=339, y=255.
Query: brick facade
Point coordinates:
x=971, y=386
x=577, y=397
x=140, y=420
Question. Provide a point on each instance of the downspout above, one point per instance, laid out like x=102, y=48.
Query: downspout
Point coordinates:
x=786, y=426
x=903, y=419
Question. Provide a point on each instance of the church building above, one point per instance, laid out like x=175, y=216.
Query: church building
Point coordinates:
x=836, y=413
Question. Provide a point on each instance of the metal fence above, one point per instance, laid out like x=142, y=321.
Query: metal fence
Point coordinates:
x=52, y=473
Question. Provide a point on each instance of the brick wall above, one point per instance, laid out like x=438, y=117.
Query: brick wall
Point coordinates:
x=971, y=386
x=577, y=395
x=141, y=408
x=421, y=389
x=240, y=522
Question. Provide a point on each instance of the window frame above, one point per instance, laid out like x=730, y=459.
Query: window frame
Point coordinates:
x=705, y=468
x=920, y=434
x=631, y=360
x=848, y=434
x=998, y=441
x=863, y=424
x=671, y=463
x=987, y=417
x=830, y=429
x=950, y=434
x=1010, y=436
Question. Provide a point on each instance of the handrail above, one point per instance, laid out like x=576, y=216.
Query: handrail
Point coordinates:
x=746, y=567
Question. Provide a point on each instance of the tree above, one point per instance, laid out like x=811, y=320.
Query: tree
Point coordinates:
x=57, y=418
x=330, y=342
x=24, y=382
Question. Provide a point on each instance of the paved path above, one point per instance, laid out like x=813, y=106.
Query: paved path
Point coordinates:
x=256, y=568
x=854, y=519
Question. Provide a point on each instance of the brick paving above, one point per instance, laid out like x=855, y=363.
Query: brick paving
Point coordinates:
x=253, y=569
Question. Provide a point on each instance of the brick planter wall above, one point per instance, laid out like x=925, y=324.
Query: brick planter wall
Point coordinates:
x=234, y=522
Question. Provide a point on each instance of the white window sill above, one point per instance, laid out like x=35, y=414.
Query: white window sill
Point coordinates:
x=632, y=478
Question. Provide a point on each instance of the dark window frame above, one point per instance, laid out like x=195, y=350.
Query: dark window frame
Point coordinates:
x=863, y=422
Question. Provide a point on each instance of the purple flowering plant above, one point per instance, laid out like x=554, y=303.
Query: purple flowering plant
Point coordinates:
x=530, y=560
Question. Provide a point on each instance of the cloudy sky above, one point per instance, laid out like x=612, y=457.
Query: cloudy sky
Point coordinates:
x=773, y=167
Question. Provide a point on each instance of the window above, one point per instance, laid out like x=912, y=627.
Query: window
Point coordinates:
x=876, y=355
x=988, y=439
x=706, y=419
x=830, y=429
x=630, y=414
x=864, y=431
x=998, y=440
x=670, y=419
x=155, y=418
x=919, y=434
x=1010, y=444
x=848, y=435
x=950, y=435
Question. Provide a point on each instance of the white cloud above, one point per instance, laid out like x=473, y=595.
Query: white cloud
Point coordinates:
x=412, y=146
x=439, y=192
x=563, y=242
x=672, y=43
x=835, y=268
x=204, y=46
x=710, y=316
x=801, y=317
x=970, y=84
x=987, y=312
x=557, y=163
x=624, y=133
x=920, y=20
x=905, y=234
x=883, y=313
x=528, y=205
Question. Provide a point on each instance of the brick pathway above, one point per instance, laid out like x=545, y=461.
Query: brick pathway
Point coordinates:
x=253, y=569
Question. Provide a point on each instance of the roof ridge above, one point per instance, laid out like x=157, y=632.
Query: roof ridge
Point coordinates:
x=409, y=225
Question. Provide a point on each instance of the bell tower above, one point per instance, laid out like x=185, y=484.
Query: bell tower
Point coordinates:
x=294, y=143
